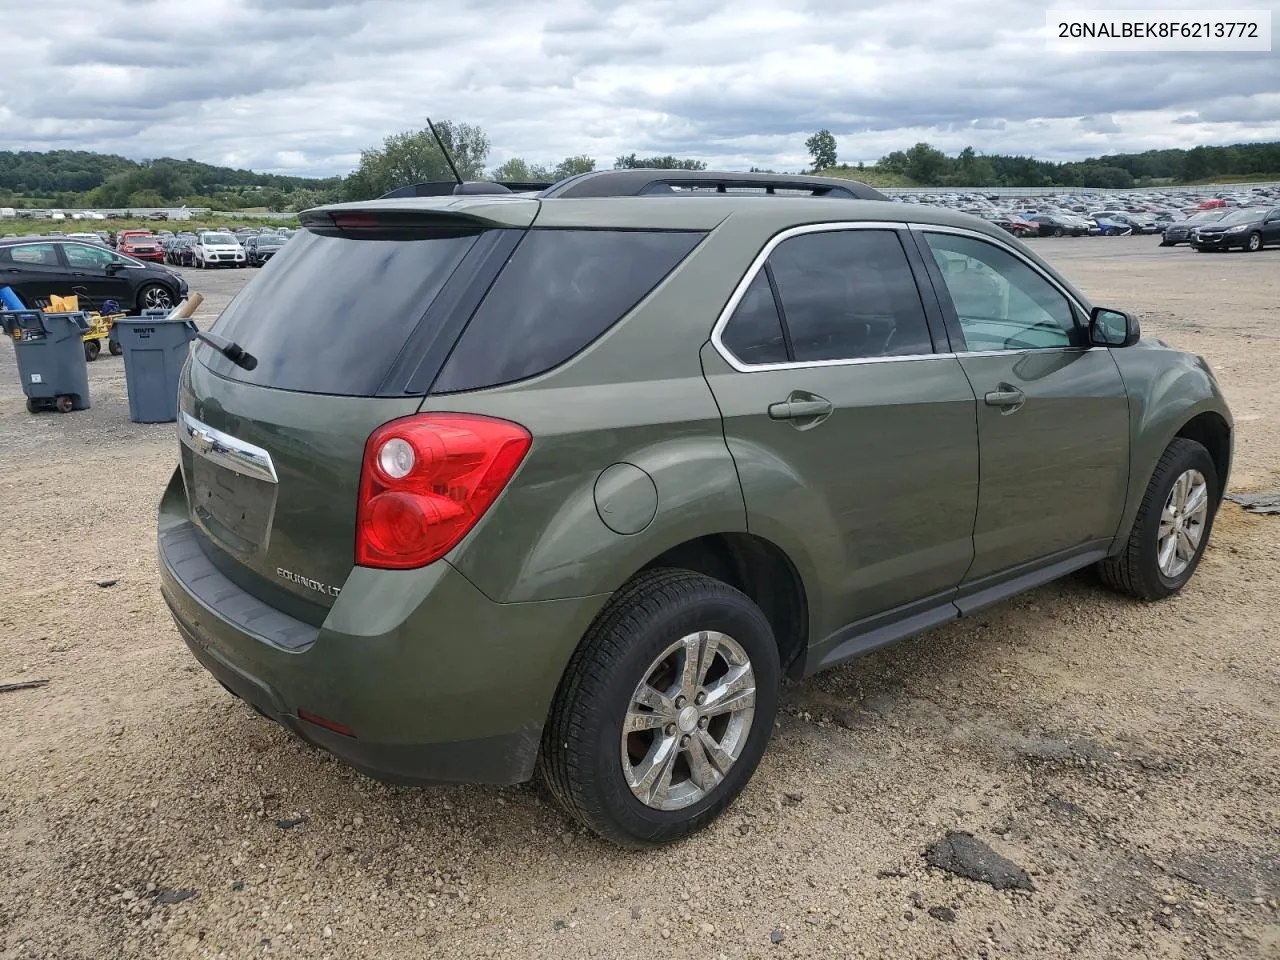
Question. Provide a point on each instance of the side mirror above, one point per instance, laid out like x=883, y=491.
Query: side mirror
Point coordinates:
x=113, y=266
x=1113, y=328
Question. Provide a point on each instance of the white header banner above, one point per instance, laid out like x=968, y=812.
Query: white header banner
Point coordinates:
x=1204, y=31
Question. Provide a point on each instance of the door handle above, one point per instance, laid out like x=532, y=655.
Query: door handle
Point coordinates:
x=799, y=408
x=1005, y=396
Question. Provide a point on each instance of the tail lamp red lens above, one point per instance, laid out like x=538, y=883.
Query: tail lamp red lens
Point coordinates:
x=426, y=480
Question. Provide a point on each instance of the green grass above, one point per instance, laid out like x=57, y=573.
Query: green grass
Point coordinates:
x=1235, y=178
x=868, y=175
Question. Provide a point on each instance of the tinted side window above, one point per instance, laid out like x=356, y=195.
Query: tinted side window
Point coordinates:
x=848, y=295
x=1002, y=303
x=40, y=254
x=561, y=290
x=81, y=255
x=754, y=332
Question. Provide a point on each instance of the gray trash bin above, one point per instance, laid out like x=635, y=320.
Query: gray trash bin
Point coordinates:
x=50, y=355
x=154, y=351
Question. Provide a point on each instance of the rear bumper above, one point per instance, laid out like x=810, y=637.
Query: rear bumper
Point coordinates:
x=436, y=683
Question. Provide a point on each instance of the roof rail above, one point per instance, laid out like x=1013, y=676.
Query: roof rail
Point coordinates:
x=450, y=188
x=644, y=183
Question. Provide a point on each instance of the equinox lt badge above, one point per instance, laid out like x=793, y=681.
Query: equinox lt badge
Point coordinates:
x=307, y=582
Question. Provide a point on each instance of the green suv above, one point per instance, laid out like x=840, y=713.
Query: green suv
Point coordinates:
x=488, y=484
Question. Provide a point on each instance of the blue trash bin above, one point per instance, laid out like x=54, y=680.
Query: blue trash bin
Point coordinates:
x=154, y=348
x=50, y=354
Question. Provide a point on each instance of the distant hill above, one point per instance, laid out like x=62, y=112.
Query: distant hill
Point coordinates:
x=81, y=178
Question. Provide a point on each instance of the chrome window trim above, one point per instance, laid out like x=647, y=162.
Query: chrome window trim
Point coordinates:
x=835, y=226
x=225, y=450
x=1069, y=348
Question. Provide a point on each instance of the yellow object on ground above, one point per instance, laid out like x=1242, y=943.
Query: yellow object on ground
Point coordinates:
x=59, y=304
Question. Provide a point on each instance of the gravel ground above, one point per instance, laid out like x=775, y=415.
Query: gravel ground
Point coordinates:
x=1124, y=755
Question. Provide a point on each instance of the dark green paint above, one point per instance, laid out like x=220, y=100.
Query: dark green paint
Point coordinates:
x=912, y=496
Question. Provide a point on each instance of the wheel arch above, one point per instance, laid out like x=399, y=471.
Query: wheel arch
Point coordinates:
x=758, y=568
x=1211, y=430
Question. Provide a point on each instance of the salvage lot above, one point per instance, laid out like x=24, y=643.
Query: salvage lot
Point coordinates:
x=1125, y=755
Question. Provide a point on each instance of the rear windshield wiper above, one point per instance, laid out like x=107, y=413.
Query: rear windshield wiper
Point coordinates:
x=229, y=349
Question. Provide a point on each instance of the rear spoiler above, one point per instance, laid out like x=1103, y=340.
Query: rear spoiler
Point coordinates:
x=419, y=216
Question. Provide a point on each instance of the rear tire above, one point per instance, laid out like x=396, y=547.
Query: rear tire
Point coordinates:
x=1059, y=232
x=596, y=773
x=1138, y=570
x=91, y=350
x=33, y=406
x=114, y=348
x=64, y=404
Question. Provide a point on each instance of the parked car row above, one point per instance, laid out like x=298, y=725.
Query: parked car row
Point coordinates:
x=1171, y=214
x=217, y=248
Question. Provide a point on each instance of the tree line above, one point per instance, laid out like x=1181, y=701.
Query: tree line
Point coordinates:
x=70, y=178
x=927, y=166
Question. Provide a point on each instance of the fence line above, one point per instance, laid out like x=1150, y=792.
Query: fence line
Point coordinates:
x=1199, y=189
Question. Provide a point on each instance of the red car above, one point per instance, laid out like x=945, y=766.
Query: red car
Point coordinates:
x=141, y=245
x=1016, y=225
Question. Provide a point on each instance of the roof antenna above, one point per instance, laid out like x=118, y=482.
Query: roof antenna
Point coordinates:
x=448, y=159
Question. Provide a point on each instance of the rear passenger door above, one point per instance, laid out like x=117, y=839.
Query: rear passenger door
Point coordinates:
x=35, y=272
x=853, y=433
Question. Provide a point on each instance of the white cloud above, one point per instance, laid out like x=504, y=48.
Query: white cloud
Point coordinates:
x=301, y=86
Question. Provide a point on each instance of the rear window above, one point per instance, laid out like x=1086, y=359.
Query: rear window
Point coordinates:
x=329, y=314
x=561, y=290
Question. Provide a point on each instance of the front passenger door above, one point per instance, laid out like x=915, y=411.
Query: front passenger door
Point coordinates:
x=90, y=276
x=1271, y=227
x=1053, y=415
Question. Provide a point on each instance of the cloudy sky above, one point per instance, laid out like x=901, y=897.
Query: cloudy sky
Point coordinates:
x=300, y=86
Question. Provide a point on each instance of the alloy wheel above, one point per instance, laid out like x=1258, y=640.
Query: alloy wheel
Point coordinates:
x=688, y=720
x=1182, y=523
x=157, y=298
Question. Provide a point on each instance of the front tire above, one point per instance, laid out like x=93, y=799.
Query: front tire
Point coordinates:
x=1254, y=243
x=664, y=710
x=1172, y=528
x=1059, y=232
x=154, y=296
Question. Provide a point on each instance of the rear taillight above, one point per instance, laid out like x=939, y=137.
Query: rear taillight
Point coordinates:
x=426, y=480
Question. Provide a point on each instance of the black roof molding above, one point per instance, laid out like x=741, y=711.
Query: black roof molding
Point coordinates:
x=643, y=183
